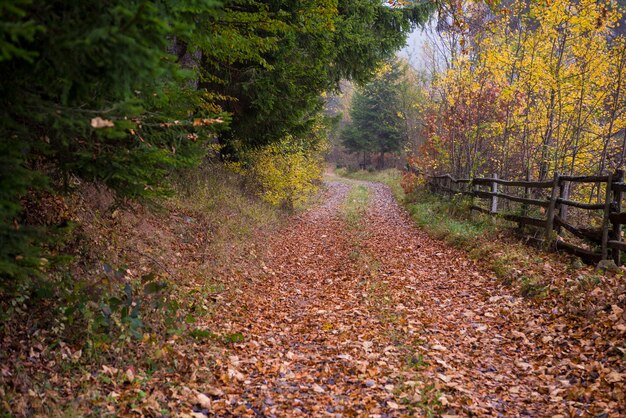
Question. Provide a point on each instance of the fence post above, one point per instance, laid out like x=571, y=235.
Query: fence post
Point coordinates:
x=527, y=196
x=473, y=188
x=616, y=233
x=494, y=199
x=563, y=209
x=605, y=218
x=551, y=208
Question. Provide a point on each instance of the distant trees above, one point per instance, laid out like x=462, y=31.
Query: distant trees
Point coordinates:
x=378, y=123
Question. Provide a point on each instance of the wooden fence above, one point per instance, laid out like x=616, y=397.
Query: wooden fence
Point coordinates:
x=554, y=205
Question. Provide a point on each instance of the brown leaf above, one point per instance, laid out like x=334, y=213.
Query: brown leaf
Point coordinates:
x=99, y=123
x=203, y=400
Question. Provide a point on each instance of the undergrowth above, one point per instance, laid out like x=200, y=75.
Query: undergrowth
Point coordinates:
x=356, y=205
x=140, y=292
x=449, y=219
x=227, y=203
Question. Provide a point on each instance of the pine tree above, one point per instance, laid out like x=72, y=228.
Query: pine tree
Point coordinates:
x=307, y=48
x=376, y=113
x=89, y=91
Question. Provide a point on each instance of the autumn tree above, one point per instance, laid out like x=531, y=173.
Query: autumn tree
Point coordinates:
x=536, y=90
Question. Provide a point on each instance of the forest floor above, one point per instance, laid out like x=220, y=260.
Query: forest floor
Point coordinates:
x=346, y=310
x=358, y=312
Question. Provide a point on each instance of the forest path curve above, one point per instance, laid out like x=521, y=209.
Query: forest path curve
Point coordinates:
x=374, y=318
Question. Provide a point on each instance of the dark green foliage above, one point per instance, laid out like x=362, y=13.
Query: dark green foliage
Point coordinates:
x=122, y=92
x=376, y=112
x=102, y=60
x=369, y=32
x=306, y=49
x=89, y=92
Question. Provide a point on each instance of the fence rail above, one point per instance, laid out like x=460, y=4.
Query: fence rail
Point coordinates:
x=555, y=207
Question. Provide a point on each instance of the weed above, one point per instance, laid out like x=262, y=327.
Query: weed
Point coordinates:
x=448, y=219
x=425, y=401
x=203, y=334
x=531, y=287
x=588, y=281
x=235, y=338
x=416, y=362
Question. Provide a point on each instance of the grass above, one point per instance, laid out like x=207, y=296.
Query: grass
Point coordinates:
x=353, y=210
x=390, y=177
x=356, y=204
x=449, y=220
x=216, y=195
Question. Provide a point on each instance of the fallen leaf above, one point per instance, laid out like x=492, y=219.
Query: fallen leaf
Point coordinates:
x=99, y=123
x=318, y=389
x=443, y=377
x=203, y=400
x=614, y=377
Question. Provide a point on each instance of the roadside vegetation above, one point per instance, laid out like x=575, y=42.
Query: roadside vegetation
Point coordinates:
x=151, y=304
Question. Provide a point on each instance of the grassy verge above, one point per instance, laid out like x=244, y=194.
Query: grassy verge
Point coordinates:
x=231, y=213
x=356, y=204
x=449, y=219
x=391, y=178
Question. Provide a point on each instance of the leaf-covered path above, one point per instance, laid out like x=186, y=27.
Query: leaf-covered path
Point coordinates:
x=371, y=317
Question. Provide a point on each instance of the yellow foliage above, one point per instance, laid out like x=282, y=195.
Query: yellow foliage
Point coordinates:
x=286, y=173
x=287, y=177
x=539, y=93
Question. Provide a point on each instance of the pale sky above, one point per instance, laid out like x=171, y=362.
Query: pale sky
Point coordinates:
x=413, y=50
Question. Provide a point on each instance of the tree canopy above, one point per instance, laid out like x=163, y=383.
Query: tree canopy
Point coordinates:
x=307, y=48
x=530, y=88
x=122, y=92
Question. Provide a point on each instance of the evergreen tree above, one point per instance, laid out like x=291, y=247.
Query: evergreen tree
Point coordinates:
x=377, y=120
x=306, y=48
x=89, y=91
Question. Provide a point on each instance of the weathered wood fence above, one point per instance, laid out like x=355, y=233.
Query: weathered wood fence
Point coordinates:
x=554, y=205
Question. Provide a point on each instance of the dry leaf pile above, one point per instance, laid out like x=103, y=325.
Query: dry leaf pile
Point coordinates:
x=384, y=321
